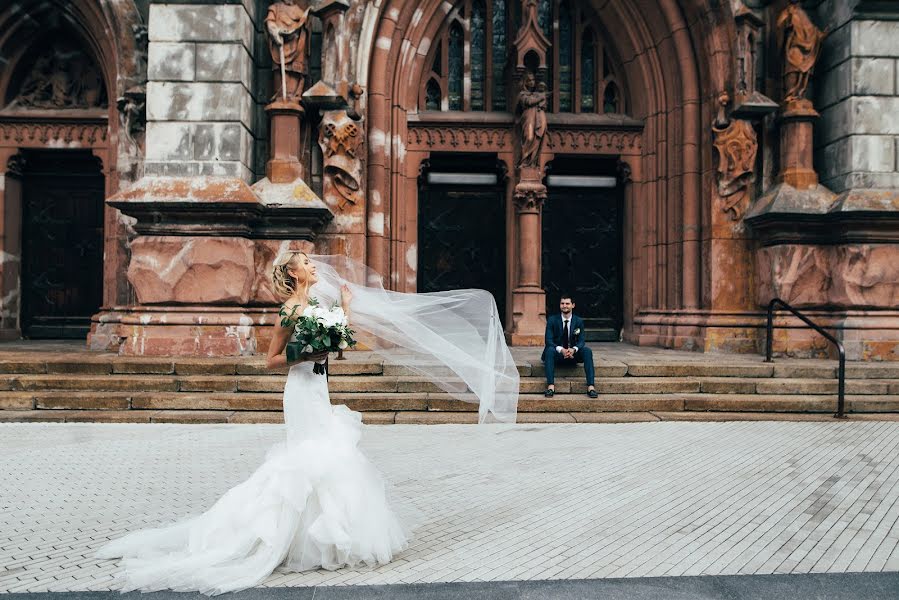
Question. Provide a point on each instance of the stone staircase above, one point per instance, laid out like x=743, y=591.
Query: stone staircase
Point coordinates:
x=634, y=384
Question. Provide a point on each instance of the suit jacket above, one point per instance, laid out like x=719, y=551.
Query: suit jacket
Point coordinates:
x=554, y=333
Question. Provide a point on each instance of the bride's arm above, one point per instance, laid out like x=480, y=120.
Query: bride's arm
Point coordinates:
x=276, y=357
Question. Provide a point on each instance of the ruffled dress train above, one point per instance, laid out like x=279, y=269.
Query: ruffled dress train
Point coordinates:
x=315, y=502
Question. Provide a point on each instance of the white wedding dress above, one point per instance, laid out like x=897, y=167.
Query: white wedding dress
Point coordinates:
x=315, y=502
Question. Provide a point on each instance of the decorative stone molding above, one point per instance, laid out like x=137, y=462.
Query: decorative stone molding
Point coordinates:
x=37, y=131
x=601, y=142
x=492, y=139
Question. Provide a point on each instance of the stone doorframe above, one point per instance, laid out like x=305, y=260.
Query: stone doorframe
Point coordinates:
x=88, y=131
x=114, y=34
x=492, y=133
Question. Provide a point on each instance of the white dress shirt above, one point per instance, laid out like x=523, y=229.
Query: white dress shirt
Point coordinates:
x=568, y=319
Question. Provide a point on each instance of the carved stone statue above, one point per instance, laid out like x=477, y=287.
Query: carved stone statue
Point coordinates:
x=530, y=112
x=801, y=44
x=286, y=25
x=737, y=145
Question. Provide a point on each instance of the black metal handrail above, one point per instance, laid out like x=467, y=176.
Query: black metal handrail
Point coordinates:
x=841, y=372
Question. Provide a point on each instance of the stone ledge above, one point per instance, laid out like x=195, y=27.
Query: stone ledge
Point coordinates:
x=218, y=206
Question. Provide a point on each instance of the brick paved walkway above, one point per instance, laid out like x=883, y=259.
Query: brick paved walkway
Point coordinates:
x=496, y=503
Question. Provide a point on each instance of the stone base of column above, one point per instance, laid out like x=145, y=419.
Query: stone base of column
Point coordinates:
x=183, y=330
x=528, y=317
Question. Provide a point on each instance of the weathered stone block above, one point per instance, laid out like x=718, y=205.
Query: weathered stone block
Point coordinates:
x=167, y=269
x=168, y=140
x=833, y=85
x=171, y=61
x=873, y=76
x=876, y=115
x=875, y=38
x=171, y=169
x=872, y=153
x=224, y=62
x=198, y=101
x=200, y=23
x=217, y=141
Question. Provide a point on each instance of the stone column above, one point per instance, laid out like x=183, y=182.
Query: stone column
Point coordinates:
x=528, y=298
x=10, y=242
x=796, y=145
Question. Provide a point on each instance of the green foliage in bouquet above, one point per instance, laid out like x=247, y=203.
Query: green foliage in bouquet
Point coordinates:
x=317, y=330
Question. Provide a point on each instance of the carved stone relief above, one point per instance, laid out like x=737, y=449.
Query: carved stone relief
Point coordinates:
x=737, y=145
x=62, y=77
x=341, y=136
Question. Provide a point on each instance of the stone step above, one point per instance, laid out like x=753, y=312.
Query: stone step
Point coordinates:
x=442, y=402
x=413, y=417
x=739, y=385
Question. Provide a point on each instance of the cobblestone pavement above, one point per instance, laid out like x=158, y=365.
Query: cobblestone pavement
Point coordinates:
x=496, y=503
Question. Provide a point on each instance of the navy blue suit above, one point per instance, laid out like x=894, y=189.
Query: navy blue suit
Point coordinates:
x=555, y=338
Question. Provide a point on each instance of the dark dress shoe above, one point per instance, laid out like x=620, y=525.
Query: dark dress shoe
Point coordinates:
x=549, y=393
x=592, y=393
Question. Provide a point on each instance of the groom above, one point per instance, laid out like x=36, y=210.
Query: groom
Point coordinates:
x=565, y=346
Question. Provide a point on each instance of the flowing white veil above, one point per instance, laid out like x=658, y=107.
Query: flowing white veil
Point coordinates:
x=454, y=339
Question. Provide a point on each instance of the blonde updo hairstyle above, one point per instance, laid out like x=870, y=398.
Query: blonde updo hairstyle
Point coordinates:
x=285, y=284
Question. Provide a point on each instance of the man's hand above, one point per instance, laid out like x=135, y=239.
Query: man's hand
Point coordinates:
x=568, y=353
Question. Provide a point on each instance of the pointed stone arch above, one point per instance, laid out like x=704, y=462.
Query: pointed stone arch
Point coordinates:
x=677, y=54
x=108, y=39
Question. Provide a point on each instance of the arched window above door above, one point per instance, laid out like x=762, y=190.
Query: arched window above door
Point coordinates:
x=470, y=68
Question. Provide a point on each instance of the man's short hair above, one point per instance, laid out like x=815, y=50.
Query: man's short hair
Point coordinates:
x=566, y=296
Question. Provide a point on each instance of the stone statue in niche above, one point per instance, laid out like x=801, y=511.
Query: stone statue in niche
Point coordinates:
x=341, y=137
x=801, y=42
x=286, y=25
x=530, y=112
x=63, y=77
x=737, y=145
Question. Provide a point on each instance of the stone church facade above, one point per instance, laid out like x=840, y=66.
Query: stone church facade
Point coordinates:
x=673, y=164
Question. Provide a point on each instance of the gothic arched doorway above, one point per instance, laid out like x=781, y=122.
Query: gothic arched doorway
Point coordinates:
x=60, y=146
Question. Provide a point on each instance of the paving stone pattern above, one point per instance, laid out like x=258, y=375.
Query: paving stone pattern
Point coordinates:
x=493, y=503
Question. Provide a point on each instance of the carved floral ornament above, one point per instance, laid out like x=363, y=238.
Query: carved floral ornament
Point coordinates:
x=39, y=134
x=499, y=139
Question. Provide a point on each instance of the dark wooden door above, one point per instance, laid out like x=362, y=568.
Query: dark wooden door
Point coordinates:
x=462, y=240
x=62, y=243
x=582, y=256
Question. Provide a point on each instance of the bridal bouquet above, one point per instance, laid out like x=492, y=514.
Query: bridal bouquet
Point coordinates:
x=318, y=329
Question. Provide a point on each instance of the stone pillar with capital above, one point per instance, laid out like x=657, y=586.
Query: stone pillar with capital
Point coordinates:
x=528, y=298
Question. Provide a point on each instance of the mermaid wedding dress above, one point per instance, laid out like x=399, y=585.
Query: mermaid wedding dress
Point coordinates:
x=315, y=502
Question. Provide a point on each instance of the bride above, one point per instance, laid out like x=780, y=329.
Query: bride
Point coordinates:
x=316, y=501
